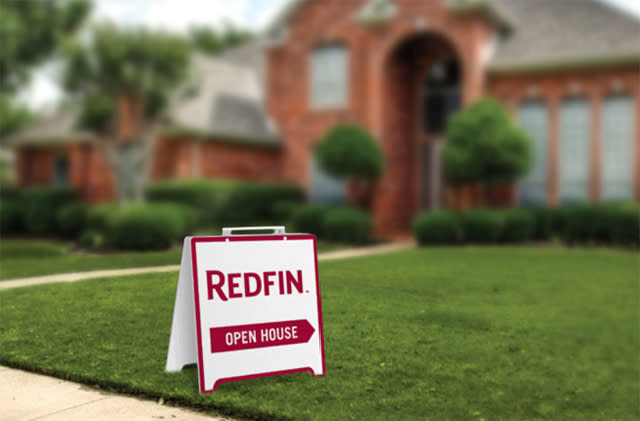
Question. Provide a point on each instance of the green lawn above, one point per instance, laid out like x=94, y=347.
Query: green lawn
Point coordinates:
x=24, y=258
x=464, y=333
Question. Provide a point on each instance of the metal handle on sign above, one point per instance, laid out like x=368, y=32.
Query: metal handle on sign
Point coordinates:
x=276, y=230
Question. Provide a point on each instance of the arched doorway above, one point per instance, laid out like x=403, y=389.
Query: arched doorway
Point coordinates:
x=422, y=88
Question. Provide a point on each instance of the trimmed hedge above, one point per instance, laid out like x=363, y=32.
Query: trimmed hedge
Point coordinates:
x=10, y=217
x=98, y=216
x=624, y=225
x=223, y=202
x=145, y=227
x=440, y=227
x=347, y=225
x=482, y=225
x=72, y=219
x=40, y=206
x=518, y=226
x=310, y=219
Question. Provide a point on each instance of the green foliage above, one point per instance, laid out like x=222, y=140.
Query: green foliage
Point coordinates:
x=10, y=217
x=97, y=113
x=310, y=219
x=439, y=227
x=222, y=202
x=482, y=226
x=91, y=239
x=484, y=145
x=284, y=210
x=145, y=227
x=31, y=30
x=497, y=325
x=211, y=41
x=617, y=224
x=251, y=203
x=40, y=206
x=519, y=226
x=12, y=117
x=348, y=226
x=72, y=219
x=542, y=222
x=98, y=216
x=348, y=150
x=624, y=225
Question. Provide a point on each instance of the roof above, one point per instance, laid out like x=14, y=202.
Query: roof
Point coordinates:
x=225, y=97
x=57, y=127
x=543, y=34
x=552, y=34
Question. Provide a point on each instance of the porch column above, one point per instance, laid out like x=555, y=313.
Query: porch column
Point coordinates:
x=595, y=146
x=552, y=151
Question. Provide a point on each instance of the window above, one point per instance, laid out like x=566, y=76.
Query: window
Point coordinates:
x=574, y=151
x=329, y=71
x=61, y=171
x=533, y=117
x=441, y=96
x=617, y=148
x=325, y=188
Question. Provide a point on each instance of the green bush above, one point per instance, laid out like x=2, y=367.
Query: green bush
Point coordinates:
x=91, y=239
x=98, y=216
x=440, y=227
x=40, y=206
x=10, y=217
x=347, y=225
x=519, y=226
x=542, y=223
x=145, y=227
x=484, y=145
x=310, y=219
x=208, y=197
x=348, y=150
x=624, y=225
x=284, y=211
x=482, y=225
x=72, y=219
x=222, y=202
x=251, y=203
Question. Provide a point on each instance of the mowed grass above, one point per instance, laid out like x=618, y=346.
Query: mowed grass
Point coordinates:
x=464, y=333
x=26, y=258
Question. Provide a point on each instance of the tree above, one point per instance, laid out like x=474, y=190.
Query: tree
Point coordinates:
x=211, y=41
x=123, y=77
x=484, y=145
x=30, y=31
x=349, y=151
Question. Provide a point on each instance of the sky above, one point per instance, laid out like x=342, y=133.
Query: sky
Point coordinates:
x=178, y=16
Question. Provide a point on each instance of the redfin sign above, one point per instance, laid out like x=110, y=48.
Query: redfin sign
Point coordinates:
x=247, y=306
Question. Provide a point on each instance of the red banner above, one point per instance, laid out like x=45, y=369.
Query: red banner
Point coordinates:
x=261, y=335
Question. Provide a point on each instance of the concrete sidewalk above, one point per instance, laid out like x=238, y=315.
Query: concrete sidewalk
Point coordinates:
x=81, y=276
x=27, y=396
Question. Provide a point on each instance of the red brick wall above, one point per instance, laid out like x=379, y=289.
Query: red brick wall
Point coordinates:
x=185, y=158
x=372, y=96
x=553, y=88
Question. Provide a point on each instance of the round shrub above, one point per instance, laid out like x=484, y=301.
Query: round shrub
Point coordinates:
x=310, y=219
x=10, y=217
x=347, y=225
x=41, y=205
x=145, y=227
x=482, y=226
x=348, y=150
x=518, y=226
x=440, y=227
x=542, y=222
x=72, y=219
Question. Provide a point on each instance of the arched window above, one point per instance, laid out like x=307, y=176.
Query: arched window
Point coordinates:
x=329, y=76
x=574, y=150
x=441, y=95
x=533, y=116
x=325, y=188
x=617, y=148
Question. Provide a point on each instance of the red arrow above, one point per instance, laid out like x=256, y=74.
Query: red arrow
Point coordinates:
x=261, y=335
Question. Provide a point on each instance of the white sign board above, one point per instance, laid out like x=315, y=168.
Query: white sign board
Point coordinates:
x=246, y=307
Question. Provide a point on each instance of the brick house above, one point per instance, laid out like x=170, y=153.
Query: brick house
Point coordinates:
x=569, y=71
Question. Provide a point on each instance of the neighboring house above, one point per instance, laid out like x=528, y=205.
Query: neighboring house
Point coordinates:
x=568, y=70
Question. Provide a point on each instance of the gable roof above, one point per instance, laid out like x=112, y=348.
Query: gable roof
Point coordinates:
x=543, y=34
x=53, y=128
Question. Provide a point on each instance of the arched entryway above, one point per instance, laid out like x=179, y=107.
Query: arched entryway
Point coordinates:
x=422, y=78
